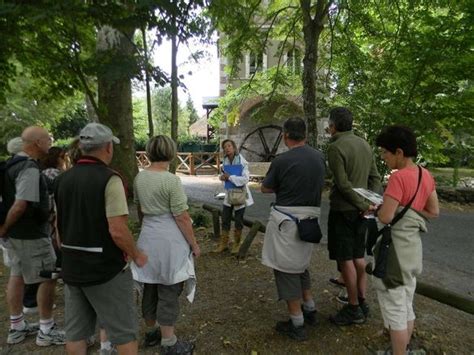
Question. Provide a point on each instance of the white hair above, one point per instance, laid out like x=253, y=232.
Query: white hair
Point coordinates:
x=15, y=145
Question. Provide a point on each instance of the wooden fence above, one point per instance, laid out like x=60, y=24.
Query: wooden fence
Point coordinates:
x=189, y=163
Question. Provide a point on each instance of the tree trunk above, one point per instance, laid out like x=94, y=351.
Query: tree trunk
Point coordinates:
x=312, y=28
x=174, y=89
x=147, y=82
x=174, y=98
x=115, y=99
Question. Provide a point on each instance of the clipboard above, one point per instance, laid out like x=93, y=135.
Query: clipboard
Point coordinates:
x=234, y=169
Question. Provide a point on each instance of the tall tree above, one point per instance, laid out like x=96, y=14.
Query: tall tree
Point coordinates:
x=313, y=25
x=193, y=115
x=115, y=95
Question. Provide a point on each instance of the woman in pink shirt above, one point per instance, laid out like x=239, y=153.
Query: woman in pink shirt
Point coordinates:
x=398, y=150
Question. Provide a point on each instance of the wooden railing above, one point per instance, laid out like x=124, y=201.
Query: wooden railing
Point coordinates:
x=198, y=162
x=189, y=163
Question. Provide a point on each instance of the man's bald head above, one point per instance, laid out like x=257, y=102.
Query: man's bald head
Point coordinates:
x=36, y=141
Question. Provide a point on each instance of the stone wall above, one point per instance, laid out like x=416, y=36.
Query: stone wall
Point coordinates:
x=460, y=195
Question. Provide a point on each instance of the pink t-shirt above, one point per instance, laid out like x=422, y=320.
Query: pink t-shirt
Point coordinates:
x=402, y=184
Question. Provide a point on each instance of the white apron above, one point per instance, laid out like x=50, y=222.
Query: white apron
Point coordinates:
x=170, y=260
x=283, y=249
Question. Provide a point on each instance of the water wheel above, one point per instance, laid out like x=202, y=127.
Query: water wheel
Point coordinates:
x=259, y=142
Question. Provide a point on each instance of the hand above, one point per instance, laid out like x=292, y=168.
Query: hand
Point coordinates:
x=140, y=259
x=196, y=250
x=225, y=176
x=370, y=210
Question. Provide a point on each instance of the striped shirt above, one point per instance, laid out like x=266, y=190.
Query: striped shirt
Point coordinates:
x=159, y=192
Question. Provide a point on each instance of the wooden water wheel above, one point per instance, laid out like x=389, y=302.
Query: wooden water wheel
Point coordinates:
x=266, y=150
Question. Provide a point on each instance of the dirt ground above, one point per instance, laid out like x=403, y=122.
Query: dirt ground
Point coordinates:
x=236, y=308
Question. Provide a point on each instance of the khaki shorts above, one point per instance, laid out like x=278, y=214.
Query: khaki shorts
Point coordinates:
x=112, y=303
x=32, y=256
x=396, y=304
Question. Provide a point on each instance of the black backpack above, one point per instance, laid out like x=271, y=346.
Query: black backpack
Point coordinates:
x=4, y=166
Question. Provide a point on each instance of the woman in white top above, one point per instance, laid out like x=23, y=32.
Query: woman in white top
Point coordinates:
x=167, y=237
x=232, y=157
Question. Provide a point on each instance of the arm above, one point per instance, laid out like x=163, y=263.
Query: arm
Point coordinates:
x=14, y=214
x=336, y=165
x=387, y=210
x=185, y=226
x=431, y=209
x=123, y=238
x=266, y=190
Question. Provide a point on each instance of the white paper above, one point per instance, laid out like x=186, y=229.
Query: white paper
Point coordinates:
x=373, y=197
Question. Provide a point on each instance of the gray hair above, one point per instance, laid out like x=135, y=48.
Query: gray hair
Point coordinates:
x=15, y=145
x=88, y=148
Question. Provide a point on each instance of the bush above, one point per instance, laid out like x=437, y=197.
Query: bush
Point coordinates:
x=200, y=217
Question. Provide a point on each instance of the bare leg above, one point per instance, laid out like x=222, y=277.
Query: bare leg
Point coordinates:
x=399, y=339
x=76, y=347
x=150, y=322
x=411, y=326
x=294, y=307
x=45, y=299
x=307, y=295
x=130, y=348
x=167, y=331
x=103, y=335
x=361, y=277
x=15, y=289
x=349, y=275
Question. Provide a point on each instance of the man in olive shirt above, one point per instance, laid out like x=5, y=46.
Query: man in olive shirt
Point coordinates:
x=352, y=164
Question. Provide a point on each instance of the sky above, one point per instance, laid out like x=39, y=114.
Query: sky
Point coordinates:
x=201, y=79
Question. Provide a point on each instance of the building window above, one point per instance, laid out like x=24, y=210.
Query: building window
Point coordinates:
x=294, y=60
x=256, y=63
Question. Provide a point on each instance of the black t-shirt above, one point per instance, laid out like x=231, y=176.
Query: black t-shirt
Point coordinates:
x=297, y=177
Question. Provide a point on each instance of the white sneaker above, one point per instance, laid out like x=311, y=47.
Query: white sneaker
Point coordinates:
x=17, y=336
x=54, y=337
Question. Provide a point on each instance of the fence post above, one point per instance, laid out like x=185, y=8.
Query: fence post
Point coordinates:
x=244, y=247
x=191, y=164
x=216, y=224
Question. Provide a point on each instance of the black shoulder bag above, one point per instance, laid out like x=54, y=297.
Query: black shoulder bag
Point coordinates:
x=308, y=228
x=383, y=253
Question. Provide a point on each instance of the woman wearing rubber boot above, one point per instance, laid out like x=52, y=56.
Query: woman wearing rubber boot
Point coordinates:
x=235, y=175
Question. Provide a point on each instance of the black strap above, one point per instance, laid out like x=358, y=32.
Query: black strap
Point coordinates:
x=286, y=214
x=400, y=215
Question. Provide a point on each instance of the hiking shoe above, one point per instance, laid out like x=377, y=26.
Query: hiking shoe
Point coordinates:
x=152, y=338
x=365, y=309
x=180, y=347
x=348, y=315
x=288, y=328
x=310, y=317
x=54, y=337
x=17, y=336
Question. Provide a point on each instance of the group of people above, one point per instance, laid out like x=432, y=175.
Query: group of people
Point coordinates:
x=83, y=211
x=297, y=179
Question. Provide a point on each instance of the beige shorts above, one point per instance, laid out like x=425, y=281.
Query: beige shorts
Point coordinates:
x=32, y=256
x=396, y=304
